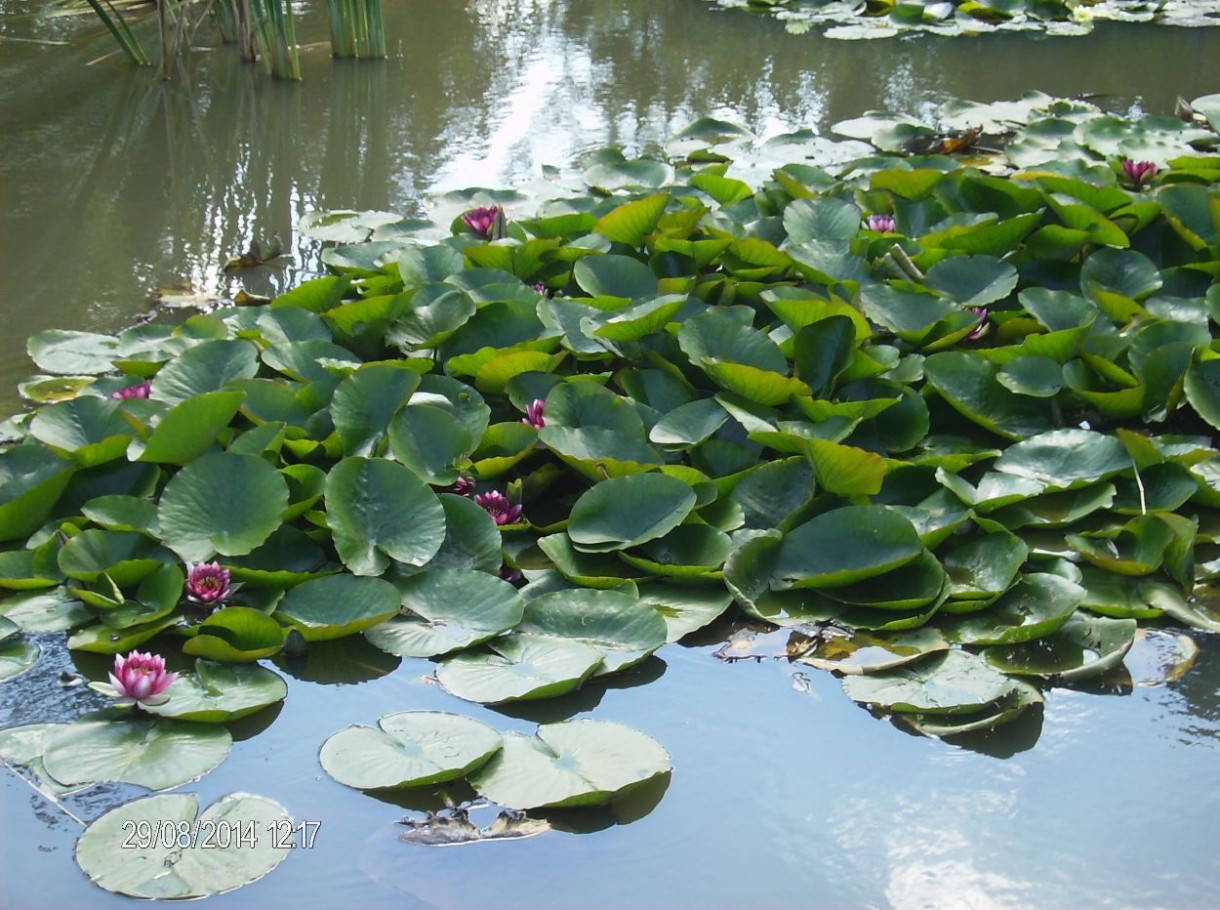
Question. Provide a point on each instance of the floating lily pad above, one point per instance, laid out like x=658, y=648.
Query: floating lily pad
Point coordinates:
x=337, y=606
x=519, y=667
x=685, y=609
x=365, y=401
x=157, y=754
x=411, y=749
x=1021, y=697
x=953, y=683
x=1035, y=607
x=232, y=843
x=576, y=763
x=626, y=629
x=236, y=634
x=844, y=546
x=688, y=551
x=453, y=609
x=31, y=479
x=1062, y=458
x=17, y=654
x=380, y=510
x=626, y=511
x=220, y=692
x=1082, y=648
x=866, y=652
x=221, y=503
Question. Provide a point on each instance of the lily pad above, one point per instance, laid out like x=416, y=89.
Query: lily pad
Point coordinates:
x=1036, y=606
x=337, y=606
x=626, y=629
x=519, y=667
x=844, y=546
x=1007, y=709
x=955, y=682
x=575, y=763
x=411, y=749
x=17, y=654
x=232, y=843
x=866, y=652
x=220, y=692
x=236, y=634
x=221, y=503
x=1084, y=647
x=380, y=510
x=157, y=754
x=627, y=511
x=453, y=609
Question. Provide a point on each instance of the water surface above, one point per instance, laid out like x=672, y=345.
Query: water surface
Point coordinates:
x=785, y=794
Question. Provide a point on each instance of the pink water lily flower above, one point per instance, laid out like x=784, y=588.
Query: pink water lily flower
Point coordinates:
x=533, y=414
x=482, y=220
x=207, y=583
x=139, y=390
x=882, y=224
x=141, y=679
x=1139, y=172
x=463, y=486
x=496, y=505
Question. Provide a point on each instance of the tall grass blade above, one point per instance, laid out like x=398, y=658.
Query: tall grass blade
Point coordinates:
x=376, y=30
x=117, y=26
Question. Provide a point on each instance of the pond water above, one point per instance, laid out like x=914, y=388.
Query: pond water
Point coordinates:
x=784, y=792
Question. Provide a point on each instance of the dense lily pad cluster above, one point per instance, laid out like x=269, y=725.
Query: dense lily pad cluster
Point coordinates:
x=951, y=416
x=888, y=18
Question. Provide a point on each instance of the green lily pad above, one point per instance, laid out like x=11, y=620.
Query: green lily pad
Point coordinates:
x=365, y=401
x=952, y=683
x=1022, y=697
x=453, y=609
x=412, y=749
x=1083, y=647
x=685, y=609
x=626, y=629
x=614, y=276
x=520, y=667
x=187, y=854
x=16, y=654
x=337, y=606
x=380, y=510
x=1063, y=458
x=973, y=280
x=867, y=652
x=986, y=566
x=221, y=503
x=125, y=557
x=597, y=452
x=844, y=546
x=236, y=634
x=157, y=754
x=472, y=538
x=188, y=429
x=909, y=587
x=688, y=551
x=575, y=763
x=31, y=479
x=206, y=367
x=53, y=611
x=220, y=692
x=589, y=570
x=1035, y=607
x=431, y=442
x=90, y=430
x=970, y=384
x=627, y=511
